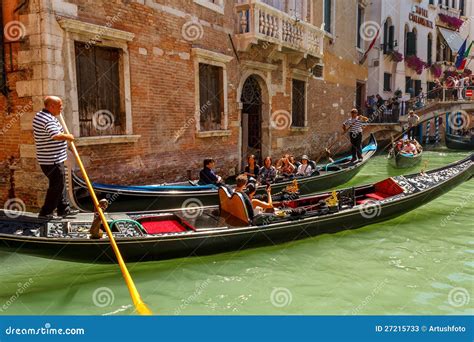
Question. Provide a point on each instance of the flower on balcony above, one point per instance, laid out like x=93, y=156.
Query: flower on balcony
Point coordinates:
x=449, y=73
x=451, y=21
x=436, y=70
x=467, y=72
x=396, y=56
x=415, y=63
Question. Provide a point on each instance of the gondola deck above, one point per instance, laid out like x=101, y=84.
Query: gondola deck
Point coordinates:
x=155, y=236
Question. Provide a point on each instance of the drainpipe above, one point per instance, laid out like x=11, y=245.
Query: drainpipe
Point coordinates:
x=3, y=71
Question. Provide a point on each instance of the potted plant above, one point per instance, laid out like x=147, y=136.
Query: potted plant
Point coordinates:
x=415, y=63
x=436, y=70
x=396, y=56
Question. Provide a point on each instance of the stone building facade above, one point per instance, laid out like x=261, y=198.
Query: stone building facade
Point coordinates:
x=151, y=87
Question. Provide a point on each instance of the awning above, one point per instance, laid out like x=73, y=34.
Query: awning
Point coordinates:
x=453, y=39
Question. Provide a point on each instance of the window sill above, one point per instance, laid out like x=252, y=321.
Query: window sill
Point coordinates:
x=299, y=129
x=210, y=134
x=209, y=5
x=107, y=139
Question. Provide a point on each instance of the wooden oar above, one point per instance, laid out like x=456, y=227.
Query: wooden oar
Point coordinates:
x=140, y=306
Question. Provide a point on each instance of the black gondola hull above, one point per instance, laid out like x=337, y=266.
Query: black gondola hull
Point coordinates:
x=225, y=240
x=457, y=142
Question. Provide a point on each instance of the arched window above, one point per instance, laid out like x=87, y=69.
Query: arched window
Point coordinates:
x=410, y=41
x=388, y=36
x=429, y=51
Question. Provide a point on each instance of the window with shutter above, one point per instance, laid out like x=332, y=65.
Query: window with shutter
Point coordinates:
x=385, y=37
x=101, y=108
x=430, y=50
x=387, y=82
x=411, y=44
x=328, y=15
x=408, y=85
x=391, y=37
x=418, y=88
x=298, y=103
x=210, y=97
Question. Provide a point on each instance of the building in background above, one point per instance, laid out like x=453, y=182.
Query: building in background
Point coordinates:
x=418, y=41
x=152, y=87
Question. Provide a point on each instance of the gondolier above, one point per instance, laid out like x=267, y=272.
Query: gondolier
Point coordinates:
x=51, y=152
x=412, y=123
x=354, y=126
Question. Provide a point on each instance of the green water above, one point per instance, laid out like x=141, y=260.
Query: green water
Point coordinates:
x=414, y=264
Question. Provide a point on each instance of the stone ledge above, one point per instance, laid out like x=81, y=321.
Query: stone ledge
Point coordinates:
x=209, y=134
x=299, y=129
x=107, y=139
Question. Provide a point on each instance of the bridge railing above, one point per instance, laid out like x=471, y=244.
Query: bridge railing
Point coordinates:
x=391, y=113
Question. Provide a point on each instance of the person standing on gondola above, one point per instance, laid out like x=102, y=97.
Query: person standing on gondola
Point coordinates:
x=51, y=152
x=354, y=126
x=412, y=123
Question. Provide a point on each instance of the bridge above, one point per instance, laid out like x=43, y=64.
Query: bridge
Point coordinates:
x=434, y=116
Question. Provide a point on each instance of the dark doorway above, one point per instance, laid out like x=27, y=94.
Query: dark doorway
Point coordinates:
x=360, y=97
x=251, y=119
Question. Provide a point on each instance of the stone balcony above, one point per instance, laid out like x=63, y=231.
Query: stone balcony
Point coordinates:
x=452, y=12
x=259, y=22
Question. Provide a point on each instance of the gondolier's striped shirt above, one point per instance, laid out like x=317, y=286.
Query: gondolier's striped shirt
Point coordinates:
x=48, y=151
x=354, y=125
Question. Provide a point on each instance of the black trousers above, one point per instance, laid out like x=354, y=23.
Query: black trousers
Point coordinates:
x=356, y=141
x=56, y=197
x=411, y=133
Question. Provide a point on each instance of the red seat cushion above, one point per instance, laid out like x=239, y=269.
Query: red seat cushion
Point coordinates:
x=164, y=226
x=376, y=196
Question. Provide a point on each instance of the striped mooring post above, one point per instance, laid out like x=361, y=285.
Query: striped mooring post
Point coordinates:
x=437, y=130
x=428, y=127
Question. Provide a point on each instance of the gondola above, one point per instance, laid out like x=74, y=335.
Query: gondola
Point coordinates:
x=458, y=142
x=402, y=160
x=177, y=195
x=145, y=236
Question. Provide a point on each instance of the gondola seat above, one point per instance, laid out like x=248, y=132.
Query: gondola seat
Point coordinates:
x=235, y=204
x=382, y=190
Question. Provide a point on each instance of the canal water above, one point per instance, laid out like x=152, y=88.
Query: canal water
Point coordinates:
x=419, y=263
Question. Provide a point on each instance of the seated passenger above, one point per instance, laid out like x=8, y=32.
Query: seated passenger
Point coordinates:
x=304, y=169
x=285, y=167
x=417, y=146
x=259, y=206
x=408, y=147
x=207, y=175
x=252, y=169
x=241, y=182
x=295, y=163
x=267, y=172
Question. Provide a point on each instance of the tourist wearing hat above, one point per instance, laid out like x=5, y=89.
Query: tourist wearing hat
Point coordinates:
x=413, y=120
x=304, y=169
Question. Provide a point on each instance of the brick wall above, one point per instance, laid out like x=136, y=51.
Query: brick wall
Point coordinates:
x=162, y=85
